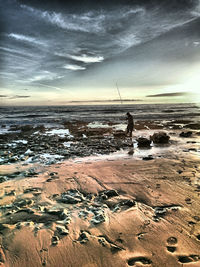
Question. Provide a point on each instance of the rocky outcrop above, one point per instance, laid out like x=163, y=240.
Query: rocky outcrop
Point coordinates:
x=143, y=142
x=160, y=138
x=185, y=134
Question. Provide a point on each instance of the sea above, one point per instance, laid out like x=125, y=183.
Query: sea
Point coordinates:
x=51, y=116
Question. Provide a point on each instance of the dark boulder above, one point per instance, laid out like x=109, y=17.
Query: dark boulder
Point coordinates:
x=160, y=138
x=143, y=142
x=2, y=179
x=109, y=193
x=185, y=134
x=193, y=126
x=149, y=157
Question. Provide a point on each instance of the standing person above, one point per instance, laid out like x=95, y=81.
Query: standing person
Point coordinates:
x=130, y=125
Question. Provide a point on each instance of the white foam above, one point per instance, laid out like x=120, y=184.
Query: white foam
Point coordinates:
x=97, y=124
x=16, y=142
x=67, y=144
x=7, y=130
x=12, y=144
x=50, y=157
x=21, y=141
x=59, y=132
x=29, y=160
x=28, y=152
x=4, y=130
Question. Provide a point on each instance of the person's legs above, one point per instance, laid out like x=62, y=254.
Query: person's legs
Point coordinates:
x=130, y=131
x=127, y=130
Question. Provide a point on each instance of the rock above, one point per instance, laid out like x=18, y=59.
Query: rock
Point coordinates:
x=119, y=134
x=143, y=142
x=26, y=128
x=109, y=193
x=102, y=241
x=61, y=213
x=83, y=214
x=32, y=189
x=53, y=173
x=2, y=227
x=131, y=151
x=72, y=196
x=98, y=218
x=159, y=211
x=193, y=126
x=44, y=263
x=83, y=237
x=11, y=193
x=2, y=179
x=18, y=225
x=160, y=138
x=40, y=128
x=185, y=134
x=149, y=157
x=114, y=248
x=54, y=240
x=62, y=230
x=23, y=202
x=129, y=202
x=70, y=199
x=27, y=210
x=193, y=149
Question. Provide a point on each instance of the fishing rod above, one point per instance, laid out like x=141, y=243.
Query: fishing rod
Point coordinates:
x=119, y=93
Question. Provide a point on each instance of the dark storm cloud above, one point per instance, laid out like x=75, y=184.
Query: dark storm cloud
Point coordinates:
x=168, y=94
x=55, y=44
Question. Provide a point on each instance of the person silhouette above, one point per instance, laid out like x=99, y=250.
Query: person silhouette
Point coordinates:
x=130, y=125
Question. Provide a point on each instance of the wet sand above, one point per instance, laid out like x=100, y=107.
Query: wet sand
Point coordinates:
x=135, y=207
x=114, y=212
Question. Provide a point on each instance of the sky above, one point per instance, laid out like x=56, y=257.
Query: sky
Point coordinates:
x=62, y=52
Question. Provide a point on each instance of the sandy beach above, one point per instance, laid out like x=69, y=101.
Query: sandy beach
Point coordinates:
x=99, y=133
x=125, y=209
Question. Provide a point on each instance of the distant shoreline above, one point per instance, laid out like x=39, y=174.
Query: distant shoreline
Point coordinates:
x=109, y=102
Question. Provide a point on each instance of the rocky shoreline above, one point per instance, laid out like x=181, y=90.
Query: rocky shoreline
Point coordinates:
x=137, y=210
x=29, y=144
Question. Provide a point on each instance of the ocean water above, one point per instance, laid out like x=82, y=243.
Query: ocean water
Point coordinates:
x=57, y=115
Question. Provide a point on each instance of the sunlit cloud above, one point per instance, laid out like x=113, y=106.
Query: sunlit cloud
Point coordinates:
x=148, y=50
x=87, y=59
x=49, y=86
x=73, y=67
x=25, y=38
x=45, y=75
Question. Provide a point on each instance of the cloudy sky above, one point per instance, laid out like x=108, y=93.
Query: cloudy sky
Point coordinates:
x=56, y=53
